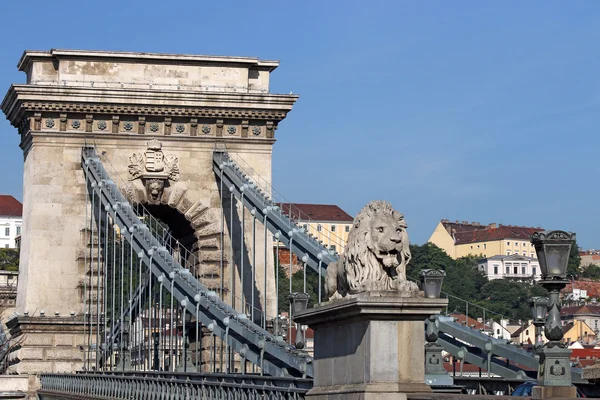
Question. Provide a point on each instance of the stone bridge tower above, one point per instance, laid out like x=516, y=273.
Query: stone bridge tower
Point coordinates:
x=131, y=106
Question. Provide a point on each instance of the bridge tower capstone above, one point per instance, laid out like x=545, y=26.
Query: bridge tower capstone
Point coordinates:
x=156, y=119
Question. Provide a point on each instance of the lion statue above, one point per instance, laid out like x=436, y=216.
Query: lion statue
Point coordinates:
x=375, y=256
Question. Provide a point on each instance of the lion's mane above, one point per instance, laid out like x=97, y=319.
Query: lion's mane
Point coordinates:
x=358, y=269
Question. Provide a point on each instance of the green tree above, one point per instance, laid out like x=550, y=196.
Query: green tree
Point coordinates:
x=592, y=271
x=9, y=259
x=427, y=256
x=312, y=287
x=464, y=281
x=574, y=265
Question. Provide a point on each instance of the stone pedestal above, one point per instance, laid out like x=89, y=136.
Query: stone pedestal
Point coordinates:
x=370, y=346
x=47, y=344
x=553, y=392
x=555, y=366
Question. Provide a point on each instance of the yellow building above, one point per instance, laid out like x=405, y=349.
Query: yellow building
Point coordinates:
x=459, y=239
x=578, y=331
x=526, y=335
x=327, y=222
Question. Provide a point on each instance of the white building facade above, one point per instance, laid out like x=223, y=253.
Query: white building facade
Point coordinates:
x=11, y=211
x=516, y=267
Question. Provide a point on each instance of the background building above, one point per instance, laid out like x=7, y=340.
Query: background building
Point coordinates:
x=515, y=266
x=590, y=257
x=459, y=239
x=327, y=222
x=588, y=313
x=11, y=211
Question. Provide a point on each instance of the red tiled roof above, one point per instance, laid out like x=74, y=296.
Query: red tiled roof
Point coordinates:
x=471, y=323
x=585, y=353
x=502, y=232
x=579, y=310
x=316, y=212
x=9, y=206
x=592, y=287
x=462, y=226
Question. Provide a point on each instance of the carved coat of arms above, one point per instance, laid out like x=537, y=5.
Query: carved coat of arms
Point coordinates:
x=154, y=168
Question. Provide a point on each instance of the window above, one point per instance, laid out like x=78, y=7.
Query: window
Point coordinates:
x=484, y=246
x=507, y=270
x=527, y=332
x=332, y=228
x=508, y=253
x=495, y=270
x=471, y=247
x=523, y=270
x=305, y=227
x=477, y=246
x=524, y=254
x=7, y=231
x=18, y=230
x=332, y=247
x=508, y=243
x=6, y=246
x=347, y=228
x=319, y=228
x=531, y=255
x=516, y=270
x=533, y=271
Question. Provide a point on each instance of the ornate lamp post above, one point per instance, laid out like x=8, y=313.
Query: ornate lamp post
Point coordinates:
x=431, y=281
x=299, y=304
x=435, y=374
x=553, y=248
x=539, y=309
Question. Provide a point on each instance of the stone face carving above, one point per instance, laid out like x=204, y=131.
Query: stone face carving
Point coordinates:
x=155, y=169
x=375, y=257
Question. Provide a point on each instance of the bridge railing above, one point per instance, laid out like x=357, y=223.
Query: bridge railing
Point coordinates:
x=154, y=385
x=122, y=233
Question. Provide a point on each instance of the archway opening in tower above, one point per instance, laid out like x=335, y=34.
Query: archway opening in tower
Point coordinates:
x=180, y=239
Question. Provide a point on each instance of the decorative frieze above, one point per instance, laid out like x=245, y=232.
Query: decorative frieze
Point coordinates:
x=83, y=108
x=168, y=123
x=37, y=121
x=90, y=123
x=194, y=127
x=245, y=124
x=63, y=122
x=142, y=125
x=115, y=124
x=219, y=128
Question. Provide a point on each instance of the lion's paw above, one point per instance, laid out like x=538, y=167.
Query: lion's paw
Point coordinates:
x=407, y=288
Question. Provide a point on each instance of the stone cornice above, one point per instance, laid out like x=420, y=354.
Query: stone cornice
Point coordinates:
x=37, y=98
x=122, y=56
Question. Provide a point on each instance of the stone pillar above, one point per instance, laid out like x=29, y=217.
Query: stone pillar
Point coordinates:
x=370, y=346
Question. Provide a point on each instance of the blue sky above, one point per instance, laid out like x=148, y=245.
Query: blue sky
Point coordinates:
x=470, y=110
